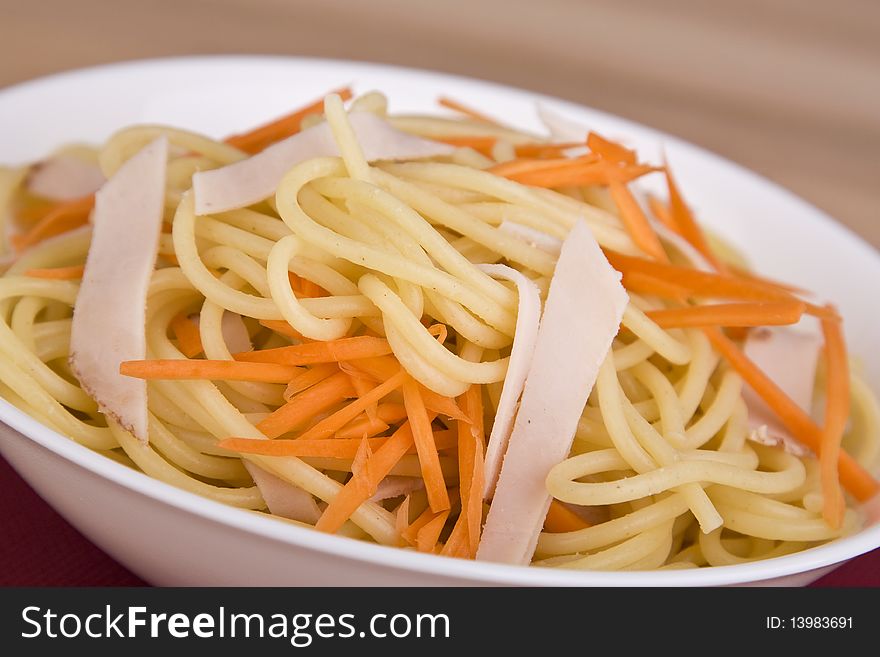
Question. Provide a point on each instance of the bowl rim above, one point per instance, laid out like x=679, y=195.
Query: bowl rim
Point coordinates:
x=265, y=526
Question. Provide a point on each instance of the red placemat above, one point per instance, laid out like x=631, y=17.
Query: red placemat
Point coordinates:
x=39, y=548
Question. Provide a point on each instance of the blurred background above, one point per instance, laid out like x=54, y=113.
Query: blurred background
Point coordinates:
x=789, y=88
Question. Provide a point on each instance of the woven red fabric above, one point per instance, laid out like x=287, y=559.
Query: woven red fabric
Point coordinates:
x=39, y=548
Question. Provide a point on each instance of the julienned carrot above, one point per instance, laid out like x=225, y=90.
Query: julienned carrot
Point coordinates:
x=357, y=490
x=484, y=145
x=662, y=213
x=561, y=519
x=283, y=328
x=470, y=465
x=362, y=386
x=411, y=531
x=71, y=273
x=856, y=480
x=423, y=437
x=259, y=138
x=214, y=370
x=639, y=272
x=610, y=150
x=384, y=367
x=687, y=225
x=518, y=167
x=387, y=414
x=336, y=448
x=426, y=539
x=635, y=221
x=741, y=272
x=457, y=543
x=308, y=378
x=332, y=423
x=837, y=400
x=320, y=398
x=581, y=171
x=63, y=217
x=456, y=106
x=766, y=313
x=303, y=287
x=189, y=340
x=310, y=353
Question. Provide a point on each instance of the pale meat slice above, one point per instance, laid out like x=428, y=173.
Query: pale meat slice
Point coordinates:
x=789, y=357
x=534, y=237
x=64, y=177
x=256, y=178
x=582, y=315
x=528, y=318
x=110, y=312
x=395, y=486
x=283, y=498
x=235, y=333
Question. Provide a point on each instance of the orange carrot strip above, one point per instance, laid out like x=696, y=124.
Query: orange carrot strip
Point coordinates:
x=423, y=436
x=662, y=213
x=259, y=138
x=217, y=370
x=357, y=490
x=520, y=166
x=454, y=105
x=386, y=415
x=343, y=349
x=362, y=387
x=748, y=275
x=578, y=172
x=58, y=273
x=329, y=425
x=189, y=340
x=856, y=480
x=342, y=448
x=321, y=397
x=427, y=537
x=470, y=464
x=308, y=378
x=544, y=150
x=687, y=225
x=64, y=217
x=837, y=400
x=635, y=221
x=768, y=313
x=409, y=534
x=562, y=519
x=482, y=145
x=456, y=545
x=610, y=150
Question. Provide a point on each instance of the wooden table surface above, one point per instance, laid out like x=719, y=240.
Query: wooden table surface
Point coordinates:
x=790, y=88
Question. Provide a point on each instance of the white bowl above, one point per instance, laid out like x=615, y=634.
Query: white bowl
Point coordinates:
x=171, y=537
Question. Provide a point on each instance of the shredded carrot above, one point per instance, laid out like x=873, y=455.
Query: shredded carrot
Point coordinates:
x=484, y=145
x=635, y=221
x=578, y=172
x=386, y=415
x=610, y=150
x=687, y=225
x=64, y=217
x=308, y=378
x=518, y=167
x=331, y=424
x=456, y=545
x=562, y=519
x=384, y=367
x=331, y=351
x=357, y=490
x=455, y=106
x=58, y=273
x=470, y=464
x=766, y=313
x=661, y=211
x=337, y=448
x=837, y=400
x=215, y=370
x=741, y=272
x=423, y=436
x=411, y=531
x=362, y=385
x=259, y=138
x=856, y=480
x=321, y=397
x=189, y=340
x=427, y=537
x=303, y=287
x=689, y=281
